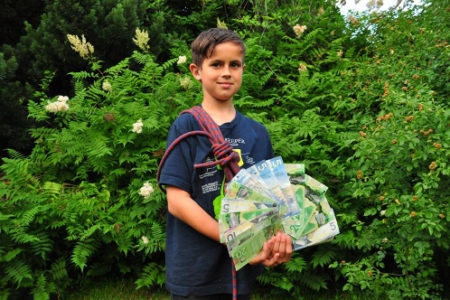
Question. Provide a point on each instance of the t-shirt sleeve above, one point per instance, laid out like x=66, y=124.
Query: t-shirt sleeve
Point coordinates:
x=269, y=146
x=268, y=143
x=178, y=167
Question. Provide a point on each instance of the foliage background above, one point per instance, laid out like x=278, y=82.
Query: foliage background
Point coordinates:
x=361, y=101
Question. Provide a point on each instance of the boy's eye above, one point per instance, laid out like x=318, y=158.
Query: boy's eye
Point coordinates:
x=216, y=64
x=235, y=64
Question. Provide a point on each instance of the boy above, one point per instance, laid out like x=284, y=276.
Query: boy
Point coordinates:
x=197, y=264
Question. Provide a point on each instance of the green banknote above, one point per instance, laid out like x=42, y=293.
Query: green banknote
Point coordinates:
x=314, y=185
x=322, y=234
x=244, y=177
x=235, y=218
x=239, y=234
x=236, y=205
x=249, y=243
x=229, y=234
x=282, y=180
x=236, y=190
x=264, y=173
x=295, y=170
x=244, y=253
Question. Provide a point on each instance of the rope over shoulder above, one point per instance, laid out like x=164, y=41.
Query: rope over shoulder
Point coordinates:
x=226, y=158
x=224, y=154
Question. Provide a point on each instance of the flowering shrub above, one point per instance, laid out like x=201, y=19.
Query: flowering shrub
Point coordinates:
x=367, y=115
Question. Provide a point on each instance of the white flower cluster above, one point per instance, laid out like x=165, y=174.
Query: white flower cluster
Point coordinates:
x=59, y=105
x=141, y=39
x=299, y=29
x=106, y=86
x=302, y=67
x=181, y=60
x=146, y=190
x=81, y=46
x=186, y=82
x=137, y=127
x=145, y=239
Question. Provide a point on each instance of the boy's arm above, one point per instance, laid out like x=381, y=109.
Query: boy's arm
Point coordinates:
x=183, y=207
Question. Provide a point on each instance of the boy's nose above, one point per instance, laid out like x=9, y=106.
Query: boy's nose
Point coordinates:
x=226, y=71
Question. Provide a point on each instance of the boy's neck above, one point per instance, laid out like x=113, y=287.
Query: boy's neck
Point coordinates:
x=220, y=112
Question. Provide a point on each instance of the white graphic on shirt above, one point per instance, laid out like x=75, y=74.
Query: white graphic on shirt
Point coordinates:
x=235, y=142
x=208, y=172
x=249, y=160
x=210, y=187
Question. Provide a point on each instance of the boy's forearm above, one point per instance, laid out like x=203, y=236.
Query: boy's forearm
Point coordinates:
x=183, y=207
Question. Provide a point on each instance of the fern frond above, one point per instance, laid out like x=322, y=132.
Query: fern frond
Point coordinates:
x=81, y=75
x=17, y=271
x=58, y=269
x=22, y=237
x=10, y=255
x=168, y=64
x=152, y=274
x=323, y=256
x=313, y=281
x=41, y=289
x=15, y=154
x=296, y=264
x=43, y=246
x=82, y=251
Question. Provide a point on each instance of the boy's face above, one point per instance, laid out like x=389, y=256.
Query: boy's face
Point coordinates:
x=221, y=73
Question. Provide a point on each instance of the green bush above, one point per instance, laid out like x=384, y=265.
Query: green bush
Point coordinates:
x=366, y=115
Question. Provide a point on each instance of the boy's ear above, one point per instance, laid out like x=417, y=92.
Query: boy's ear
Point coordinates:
x=243, y=67
x=195, y=70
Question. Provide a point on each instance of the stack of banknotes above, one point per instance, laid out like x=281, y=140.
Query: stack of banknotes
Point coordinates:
x=272, y=196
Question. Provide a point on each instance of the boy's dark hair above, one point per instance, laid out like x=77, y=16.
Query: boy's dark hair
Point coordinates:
x=203, y=46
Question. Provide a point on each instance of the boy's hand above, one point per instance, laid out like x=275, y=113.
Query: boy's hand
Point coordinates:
x=275, y=251
x=282, y=247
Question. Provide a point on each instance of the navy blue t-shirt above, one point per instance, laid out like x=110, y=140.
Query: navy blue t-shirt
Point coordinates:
x=196, y=264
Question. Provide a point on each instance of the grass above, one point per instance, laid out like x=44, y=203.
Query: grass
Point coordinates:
x=125, y=289
x=117, y=289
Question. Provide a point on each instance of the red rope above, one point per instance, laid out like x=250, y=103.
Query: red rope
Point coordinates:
x=224, y=154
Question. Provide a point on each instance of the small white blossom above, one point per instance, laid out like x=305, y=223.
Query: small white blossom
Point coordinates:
x=81, y=46
x=186, y=82
x=146, y=190
x=59, y=105
x=137, y=127
x=141, y=39
x=299, y=29
x=383, y=212
x=144, y=239
x=385, y=240
x=181, y=60
x=340, y=52
x=302, y=67
x=52, y=107
x=106, y=86
x=63, y=99
x=62, y=106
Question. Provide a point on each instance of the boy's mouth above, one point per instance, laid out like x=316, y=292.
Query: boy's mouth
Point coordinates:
x=225, y=84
